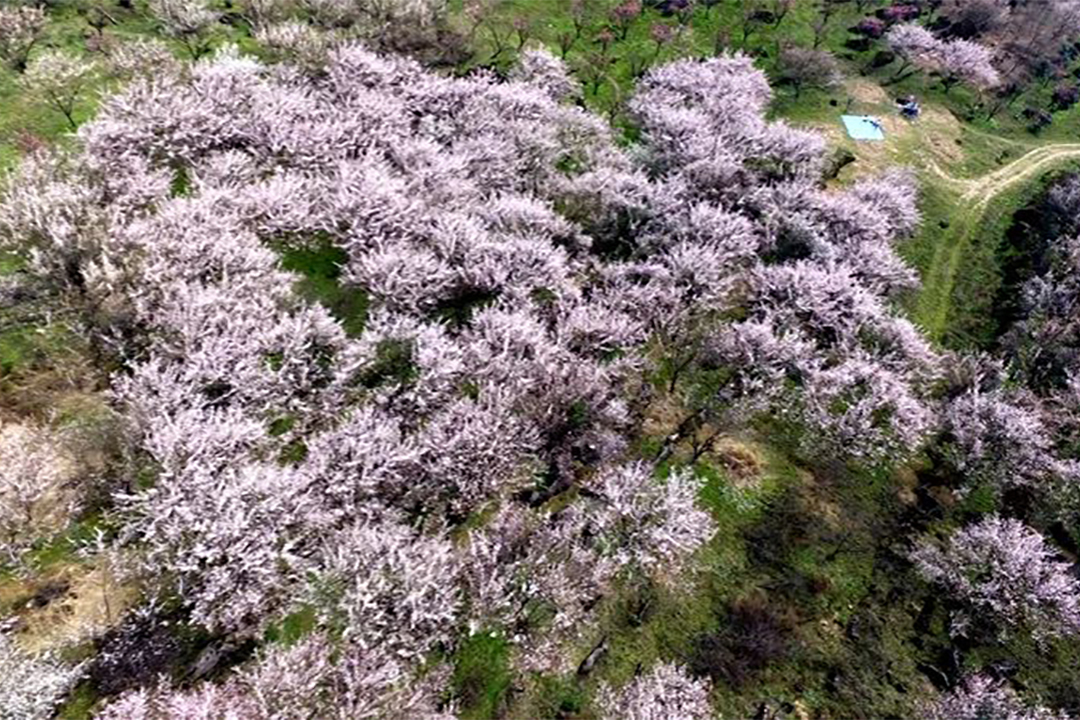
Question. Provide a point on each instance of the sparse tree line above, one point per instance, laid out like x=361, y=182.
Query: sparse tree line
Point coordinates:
x=1004, y=50
x=1008, y=50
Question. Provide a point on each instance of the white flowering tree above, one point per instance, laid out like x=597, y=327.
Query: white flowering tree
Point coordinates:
x=188, y=21
x=31, y=687
x=993, y=440
x=980, y=697
x=386, y=589
x=59, y=80
x=667, y=692
x=21, y=27
x=639, y=521
x=953, y=60
x=1001, y=569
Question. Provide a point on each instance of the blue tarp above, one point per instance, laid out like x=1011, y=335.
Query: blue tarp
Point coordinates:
x=863, y=127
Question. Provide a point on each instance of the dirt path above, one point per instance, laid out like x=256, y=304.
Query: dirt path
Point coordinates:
x=974, y=198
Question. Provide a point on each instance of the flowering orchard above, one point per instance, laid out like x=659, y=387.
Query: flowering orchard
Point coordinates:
x=467, y=460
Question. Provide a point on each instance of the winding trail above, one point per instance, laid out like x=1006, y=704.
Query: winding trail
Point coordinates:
x=974, y=198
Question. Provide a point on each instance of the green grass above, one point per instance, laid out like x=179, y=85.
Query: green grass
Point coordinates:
x=10, y=263
x=960, y=263
x=61, y=548
x=320, y=268
x=64, y=547
x=985, y=152
x=80, y=704
x=561, y=696
x=25, y=348
x=936, y=205
x=968, y=321
x=482, y=675
x=293, y=627
x=20, y=348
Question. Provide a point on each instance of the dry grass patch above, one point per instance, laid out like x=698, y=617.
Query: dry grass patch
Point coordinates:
x=743, y=461
x=92, y=600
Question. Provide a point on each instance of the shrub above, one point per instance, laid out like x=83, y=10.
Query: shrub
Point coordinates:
x=1065, y=96
x=751, y=636
x=1003, y=571
x=871, y=28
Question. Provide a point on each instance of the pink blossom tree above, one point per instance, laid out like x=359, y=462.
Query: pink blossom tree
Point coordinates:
x=1006, y=570
x=954, y=60
x=387, y=589
x=141, y=57
x=21, y=26
x=641, y=522
x=541, y=68
x=31, y=471
x=296, y=42
x=915, y=45
x=666, y=691
x=314, y=677
x=981, y=697
x=516, y=266
x=808, y=68
x=188, y=21
x=965, y=61
x=524, y=561
x=996, y=440
x=31, y=687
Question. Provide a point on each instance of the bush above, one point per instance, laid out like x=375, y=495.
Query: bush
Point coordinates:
x=752, y=635
x=1037, y=118
x=136, y=653
x=882, y=58
x=899, y=13
x=871, y=28
x=1065, y=96
x=858, y=44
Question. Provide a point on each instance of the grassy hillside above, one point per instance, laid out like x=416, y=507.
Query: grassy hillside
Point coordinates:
x=806, y=604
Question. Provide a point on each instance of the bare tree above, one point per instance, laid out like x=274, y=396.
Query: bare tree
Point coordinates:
x=807, y=68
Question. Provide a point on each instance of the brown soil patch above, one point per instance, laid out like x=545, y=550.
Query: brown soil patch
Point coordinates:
x=817, y=504
x=907, y=481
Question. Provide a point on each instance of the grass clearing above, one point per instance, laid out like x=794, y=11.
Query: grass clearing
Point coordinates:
x=482, y=675
x=320, y=269
x=961, y=278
